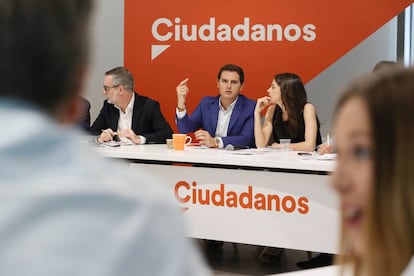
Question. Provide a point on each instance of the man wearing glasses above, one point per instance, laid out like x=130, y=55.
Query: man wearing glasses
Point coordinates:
x=128, y=115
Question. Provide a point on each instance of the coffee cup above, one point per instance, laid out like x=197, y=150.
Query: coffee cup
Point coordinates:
x=179, y=140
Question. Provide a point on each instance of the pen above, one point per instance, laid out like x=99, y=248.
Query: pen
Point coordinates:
x=114, y=135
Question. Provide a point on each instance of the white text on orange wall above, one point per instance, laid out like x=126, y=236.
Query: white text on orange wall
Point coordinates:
x=165, y=29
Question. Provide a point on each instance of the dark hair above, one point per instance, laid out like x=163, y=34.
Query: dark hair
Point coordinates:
x=232, y=68
x=294, y=98
x=43, y=49
x=122, y=76
x=385, y=65
x=389, y=100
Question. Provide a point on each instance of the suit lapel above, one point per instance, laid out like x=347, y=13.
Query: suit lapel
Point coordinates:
x=136, y=112
x=113, y=118
x=238, y=109
x=214, y=112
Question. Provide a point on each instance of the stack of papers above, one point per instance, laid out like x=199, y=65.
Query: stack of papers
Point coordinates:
x=117, y=143
x=326, y=156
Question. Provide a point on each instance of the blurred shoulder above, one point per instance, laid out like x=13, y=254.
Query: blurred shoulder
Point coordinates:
x=145, y=99
x=247, y=100
x=209, y=100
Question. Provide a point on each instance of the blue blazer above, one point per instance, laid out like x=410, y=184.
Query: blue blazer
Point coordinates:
x=241, y=126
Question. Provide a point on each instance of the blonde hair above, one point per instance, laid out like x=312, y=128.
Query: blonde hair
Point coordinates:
x=389, y=223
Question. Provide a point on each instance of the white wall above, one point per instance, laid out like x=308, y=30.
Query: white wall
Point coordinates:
x=325, y=89
x=108, y=51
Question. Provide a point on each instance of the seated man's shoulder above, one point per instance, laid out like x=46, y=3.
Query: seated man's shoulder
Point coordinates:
x=85, y=103
x=107, y=104
x=247, y=101
x=145, y=100
x=209, y=99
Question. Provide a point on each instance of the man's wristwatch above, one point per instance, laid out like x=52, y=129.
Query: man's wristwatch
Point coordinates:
x=216, y=142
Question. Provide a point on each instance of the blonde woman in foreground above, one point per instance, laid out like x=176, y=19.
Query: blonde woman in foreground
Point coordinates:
x=374, y=134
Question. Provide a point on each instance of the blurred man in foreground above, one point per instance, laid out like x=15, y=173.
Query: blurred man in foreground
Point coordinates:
x=63, y=210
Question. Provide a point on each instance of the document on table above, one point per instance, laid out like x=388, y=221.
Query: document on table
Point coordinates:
x=116, y=143
x=249, y=151
x=326, y=156
x=196, y=146
x=241, y=152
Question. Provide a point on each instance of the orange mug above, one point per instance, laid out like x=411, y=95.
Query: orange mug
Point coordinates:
x=179, y=140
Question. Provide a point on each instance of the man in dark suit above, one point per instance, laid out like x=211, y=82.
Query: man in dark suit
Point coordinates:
x=226, y=119
x=128, y=115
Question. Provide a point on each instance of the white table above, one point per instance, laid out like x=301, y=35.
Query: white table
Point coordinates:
x=263, y=197
x=332, y=270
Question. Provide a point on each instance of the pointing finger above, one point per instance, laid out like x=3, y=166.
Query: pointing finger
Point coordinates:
x=184, y=82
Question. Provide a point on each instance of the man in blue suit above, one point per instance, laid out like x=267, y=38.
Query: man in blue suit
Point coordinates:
x=226, y=119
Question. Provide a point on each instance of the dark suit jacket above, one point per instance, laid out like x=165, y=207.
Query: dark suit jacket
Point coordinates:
x=240, y=132
x=147, y=120
x=84, y=119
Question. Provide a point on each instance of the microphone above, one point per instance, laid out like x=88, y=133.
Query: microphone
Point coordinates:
x=229, y=147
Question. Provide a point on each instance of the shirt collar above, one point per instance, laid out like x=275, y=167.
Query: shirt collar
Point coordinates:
x=231, y=106
x=130, y=105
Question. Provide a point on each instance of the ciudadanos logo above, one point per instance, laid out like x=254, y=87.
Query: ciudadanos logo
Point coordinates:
x=167, y=41
x=166, y=30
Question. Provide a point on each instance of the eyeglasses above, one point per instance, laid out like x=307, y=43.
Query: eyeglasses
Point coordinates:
x=108, y=88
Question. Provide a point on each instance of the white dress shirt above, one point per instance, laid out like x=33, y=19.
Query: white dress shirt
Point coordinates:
x=125, y=120
x=223, y=120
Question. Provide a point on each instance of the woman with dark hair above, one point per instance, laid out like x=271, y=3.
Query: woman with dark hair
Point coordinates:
x=289, y=115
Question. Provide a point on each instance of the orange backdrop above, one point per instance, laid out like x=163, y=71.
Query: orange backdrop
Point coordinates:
x=312, y=36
